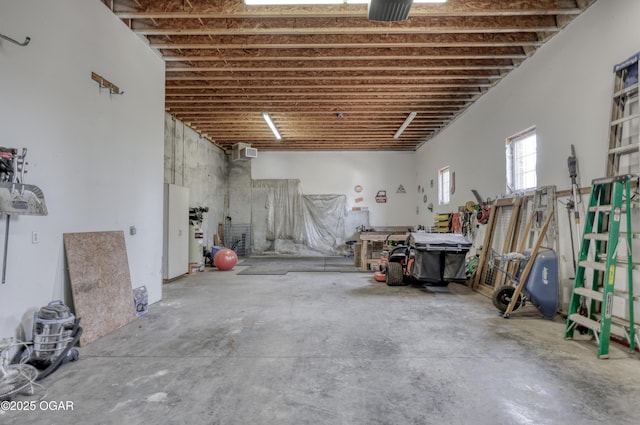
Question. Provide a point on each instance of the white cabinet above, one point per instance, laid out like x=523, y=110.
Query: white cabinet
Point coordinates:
x=176, y=231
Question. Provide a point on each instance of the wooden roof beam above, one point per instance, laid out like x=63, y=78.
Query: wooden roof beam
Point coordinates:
x=235, y=8
x=285, y=26
x=337, y=53
x=324, y=41
x=329, y=84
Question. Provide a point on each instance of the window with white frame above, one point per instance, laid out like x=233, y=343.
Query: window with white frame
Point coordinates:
x=521, y=160
x=444, y=186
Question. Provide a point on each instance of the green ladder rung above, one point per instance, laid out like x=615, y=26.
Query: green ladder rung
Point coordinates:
x=597, y=236
x=623, y=323
x=600, y=208
x=593, y=265
x=599, y=296
x=585, y=321
x=589, y=293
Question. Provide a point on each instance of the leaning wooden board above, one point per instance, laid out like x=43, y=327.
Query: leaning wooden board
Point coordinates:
x=100, y=282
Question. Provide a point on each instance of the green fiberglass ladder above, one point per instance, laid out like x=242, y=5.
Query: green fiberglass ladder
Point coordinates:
x=610, y=200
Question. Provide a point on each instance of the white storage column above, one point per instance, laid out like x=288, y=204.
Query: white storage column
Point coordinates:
x=176, y=231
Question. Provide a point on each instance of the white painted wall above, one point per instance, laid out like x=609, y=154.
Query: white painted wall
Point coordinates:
x=97, y=158
x=194, y=162
x=340, y=172
x=564, y=90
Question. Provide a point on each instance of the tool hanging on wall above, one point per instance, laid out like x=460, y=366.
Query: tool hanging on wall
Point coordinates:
x=575, y=202
x=483, y=208
x=15, y=196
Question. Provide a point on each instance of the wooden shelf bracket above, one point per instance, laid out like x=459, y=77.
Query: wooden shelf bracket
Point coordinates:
x=103, y=83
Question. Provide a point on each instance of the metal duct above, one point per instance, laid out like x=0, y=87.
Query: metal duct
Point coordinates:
x=389, y=10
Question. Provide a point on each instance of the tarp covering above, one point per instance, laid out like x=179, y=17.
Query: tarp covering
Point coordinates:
x=315, y=221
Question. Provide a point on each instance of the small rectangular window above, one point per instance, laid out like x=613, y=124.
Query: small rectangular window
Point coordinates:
x=444, y=186
x=521, y=161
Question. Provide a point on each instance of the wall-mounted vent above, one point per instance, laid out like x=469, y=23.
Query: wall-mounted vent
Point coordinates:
x=389, y=10
x=248, y=153
x=243, y=151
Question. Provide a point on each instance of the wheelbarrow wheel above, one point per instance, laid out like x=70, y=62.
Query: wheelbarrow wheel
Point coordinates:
x=502, y=298
x=394, y=274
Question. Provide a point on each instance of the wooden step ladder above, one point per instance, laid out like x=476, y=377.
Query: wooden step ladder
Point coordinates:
x=624, y=135
x=610, y=199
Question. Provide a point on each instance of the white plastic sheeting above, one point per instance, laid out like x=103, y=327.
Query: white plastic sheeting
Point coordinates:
x=314, y=221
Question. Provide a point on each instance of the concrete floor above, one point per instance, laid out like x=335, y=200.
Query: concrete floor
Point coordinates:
x=337, y=348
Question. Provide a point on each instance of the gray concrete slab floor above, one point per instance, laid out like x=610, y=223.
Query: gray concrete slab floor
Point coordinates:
x=331, y=348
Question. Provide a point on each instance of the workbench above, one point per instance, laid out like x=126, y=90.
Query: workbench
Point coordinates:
x=368, y=237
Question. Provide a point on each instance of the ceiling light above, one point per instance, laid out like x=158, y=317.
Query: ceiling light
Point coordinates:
x=405, y=124
x=289, y=2
x=272, y=126
x=304, y=2
x=415, y=1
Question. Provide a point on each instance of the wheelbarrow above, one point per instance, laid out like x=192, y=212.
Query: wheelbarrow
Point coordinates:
x=540, y=288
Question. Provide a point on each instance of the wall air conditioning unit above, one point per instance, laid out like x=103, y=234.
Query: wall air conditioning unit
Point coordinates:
x=242, y=151
x=248, y=153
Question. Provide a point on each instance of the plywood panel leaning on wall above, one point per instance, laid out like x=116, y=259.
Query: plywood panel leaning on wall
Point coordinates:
x=100, y=282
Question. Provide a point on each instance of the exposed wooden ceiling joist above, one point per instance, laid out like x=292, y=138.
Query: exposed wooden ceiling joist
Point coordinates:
x=304, y=26
x=331, y=79
x=236, y=9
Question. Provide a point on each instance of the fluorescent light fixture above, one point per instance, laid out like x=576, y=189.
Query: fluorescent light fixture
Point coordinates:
x=405, y=124
x=303, y=2
x=289, y=2
x=367, y=1
x=272, y=126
